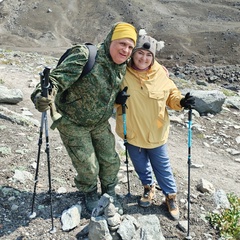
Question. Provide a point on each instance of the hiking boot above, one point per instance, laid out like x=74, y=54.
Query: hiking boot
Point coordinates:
x=148, y=196
x=110, y=190
x=91, y=200
x=171, y=201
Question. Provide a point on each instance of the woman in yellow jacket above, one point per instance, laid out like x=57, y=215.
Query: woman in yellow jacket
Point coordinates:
x=151, y=92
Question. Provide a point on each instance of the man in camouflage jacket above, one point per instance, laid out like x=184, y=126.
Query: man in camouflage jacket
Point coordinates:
x=85, y=106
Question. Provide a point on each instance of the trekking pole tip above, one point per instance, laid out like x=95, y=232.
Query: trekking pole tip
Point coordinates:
x=32, y=215
x=128, y=195
x=53, y=230
x=188, y=237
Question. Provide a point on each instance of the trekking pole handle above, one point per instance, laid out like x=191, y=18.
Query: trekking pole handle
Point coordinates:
x=44, y=77
x=190, y=114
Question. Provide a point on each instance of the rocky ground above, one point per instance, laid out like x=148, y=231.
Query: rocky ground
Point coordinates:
x=202, y=47
x=214, y=150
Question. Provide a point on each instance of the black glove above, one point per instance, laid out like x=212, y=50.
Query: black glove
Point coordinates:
x=122, y=96
x=188, y=101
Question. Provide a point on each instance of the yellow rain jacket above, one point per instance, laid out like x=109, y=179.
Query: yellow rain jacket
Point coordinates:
x=147, y=120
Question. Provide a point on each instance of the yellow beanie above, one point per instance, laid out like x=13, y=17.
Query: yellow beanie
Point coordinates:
x=125, y=30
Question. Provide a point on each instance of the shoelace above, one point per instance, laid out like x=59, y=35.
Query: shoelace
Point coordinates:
x=146, y=192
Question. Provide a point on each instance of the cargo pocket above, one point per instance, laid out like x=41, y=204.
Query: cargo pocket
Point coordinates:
x=160, y=97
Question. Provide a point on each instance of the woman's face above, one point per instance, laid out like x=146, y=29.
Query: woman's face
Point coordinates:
x=142, y=59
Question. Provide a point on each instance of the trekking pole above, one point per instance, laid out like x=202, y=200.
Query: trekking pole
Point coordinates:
x=125, y=96
x=189, y=165
x=44, y=78
x=125, y=143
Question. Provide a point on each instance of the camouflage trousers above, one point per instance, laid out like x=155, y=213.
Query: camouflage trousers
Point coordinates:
x=93, y=154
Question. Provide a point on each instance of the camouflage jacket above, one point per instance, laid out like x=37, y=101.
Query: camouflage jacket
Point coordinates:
x=89, y=100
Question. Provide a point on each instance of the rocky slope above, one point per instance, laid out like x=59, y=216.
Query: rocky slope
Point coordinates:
x=198, y=32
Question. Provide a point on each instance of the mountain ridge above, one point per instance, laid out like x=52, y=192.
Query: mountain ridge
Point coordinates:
x=201, y=32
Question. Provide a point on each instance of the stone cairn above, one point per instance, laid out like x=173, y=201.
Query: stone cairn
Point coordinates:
x=106, y=223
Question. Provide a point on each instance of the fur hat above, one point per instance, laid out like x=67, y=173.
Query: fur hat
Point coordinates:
x=148, y=43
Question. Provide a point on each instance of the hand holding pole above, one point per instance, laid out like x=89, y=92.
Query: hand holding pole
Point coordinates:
x=121, y=99
x=45, y=85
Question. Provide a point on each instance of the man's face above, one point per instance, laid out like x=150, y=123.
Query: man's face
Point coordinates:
x=121, y=49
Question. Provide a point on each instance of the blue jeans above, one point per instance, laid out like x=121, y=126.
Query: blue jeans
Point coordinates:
x=149, y=161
